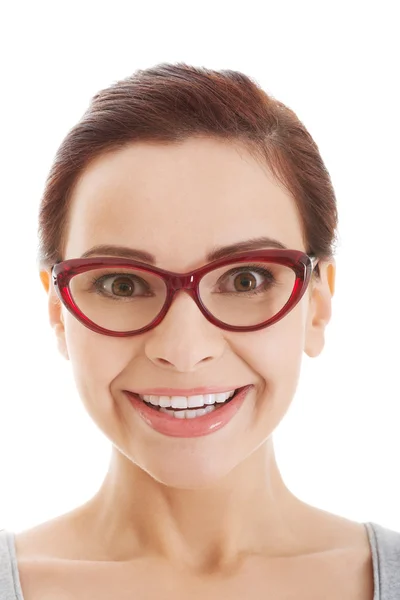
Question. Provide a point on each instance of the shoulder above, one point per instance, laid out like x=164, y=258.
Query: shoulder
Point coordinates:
x=385, y=545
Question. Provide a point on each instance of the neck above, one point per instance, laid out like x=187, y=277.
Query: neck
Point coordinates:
x=249, y=512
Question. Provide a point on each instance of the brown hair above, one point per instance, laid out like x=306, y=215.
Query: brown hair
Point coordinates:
x=172, y=102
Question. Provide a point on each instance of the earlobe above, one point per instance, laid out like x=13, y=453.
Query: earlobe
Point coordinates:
x=55, y=314
x=57, y=322
x=320, y=310
x=61, y=341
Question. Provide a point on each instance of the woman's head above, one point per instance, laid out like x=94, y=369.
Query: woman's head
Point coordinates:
x=177, y=162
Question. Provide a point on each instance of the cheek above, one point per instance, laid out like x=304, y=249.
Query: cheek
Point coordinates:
x=275, y=354
x=96, y=359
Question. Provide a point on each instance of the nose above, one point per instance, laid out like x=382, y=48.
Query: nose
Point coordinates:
x=184, y=340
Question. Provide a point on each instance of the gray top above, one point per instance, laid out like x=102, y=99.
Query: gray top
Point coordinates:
x=385, y=547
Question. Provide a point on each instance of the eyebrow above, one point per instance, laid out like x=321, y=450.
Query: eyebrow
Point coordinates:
x=215, y=254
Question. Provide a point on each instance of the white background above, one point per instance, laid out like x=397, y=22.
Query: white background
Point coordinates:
x=337, y=66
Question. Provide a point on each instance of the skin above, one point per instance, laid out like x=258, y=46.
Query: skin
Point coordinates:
x=218, y=499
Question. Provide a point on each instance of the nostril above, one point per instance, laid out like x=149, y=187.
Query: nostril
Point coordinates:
x=164, y=361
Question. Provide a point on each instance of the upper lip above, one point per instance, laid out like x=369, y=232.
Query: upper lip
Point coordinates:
x=166, y=391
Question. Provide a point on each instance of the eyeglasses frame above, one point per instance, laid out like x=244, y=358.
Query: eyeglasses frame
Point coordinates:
x=301, y=263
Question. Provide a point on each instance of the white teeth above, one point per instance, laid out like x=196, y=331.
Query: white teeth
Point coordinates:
x=195, y=401
x=222, y=397
x=180, y=414
x=179, y=402
x=192, y=402
x=188, y=414
x=209, y=399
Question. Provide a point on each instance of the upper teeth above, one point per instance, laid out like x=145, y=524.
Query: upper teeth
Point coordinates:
x=187, y=401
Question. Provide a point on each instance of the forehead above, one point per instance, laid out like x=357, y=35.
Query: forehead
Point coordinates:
x=179, y=201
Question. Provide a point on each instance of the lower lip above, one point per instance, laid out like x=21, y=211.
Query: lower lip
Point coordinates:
x=170, y=425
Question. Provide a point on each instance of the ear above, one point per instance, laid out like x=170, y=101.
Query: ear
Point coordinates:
x=55, y=313
x=322, y=290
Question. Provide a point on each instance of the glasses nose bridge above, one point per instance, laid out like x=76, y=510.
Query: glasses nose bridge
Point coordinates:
x=182, y=282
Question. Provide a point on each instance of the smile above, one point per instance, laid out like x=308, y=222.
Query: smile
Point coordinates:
x=188, y=407
x=179, y=418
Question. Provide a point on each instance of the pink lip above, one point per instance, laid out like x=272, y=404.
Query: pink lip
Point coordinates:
x=169, y=425
x=165, y=391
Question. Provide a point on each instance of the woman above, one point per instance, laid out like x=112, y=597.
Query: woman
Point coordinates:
x=187, y=236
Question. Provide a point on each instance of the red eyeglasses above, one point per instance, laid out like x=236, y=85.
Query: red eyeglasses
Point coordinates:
x=122, y=297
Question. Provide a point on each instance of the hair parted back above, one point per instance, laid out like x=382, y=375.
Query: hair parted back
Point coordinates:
x=173, y=102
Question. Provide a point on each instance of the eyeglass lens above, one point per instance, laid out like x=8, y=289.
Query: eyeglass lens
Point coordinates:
x=128, y=299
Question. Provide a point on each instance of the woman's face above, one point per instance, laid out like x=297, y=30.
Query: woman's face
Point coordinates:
x=179, y=202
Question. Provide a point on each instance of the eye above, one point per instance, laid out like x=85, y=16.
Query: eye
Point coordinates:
x=121, y=285
x=245, y=282
x=247, y=279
